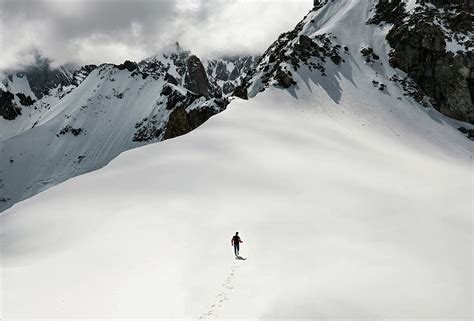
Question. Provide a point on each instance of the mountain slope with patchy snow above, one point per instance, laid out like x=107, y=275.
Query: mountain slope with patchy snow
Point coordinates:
x=353, y=201
x=228, y=72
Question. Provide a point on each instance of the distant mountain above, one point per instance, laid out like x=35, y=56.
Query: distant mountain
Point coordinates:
x=83, y=119
x=22, y=88
x=56, y=123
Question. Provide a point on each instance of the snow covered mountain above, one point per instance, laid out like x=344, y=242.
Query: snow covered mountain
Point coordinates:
x=80, y=125
x=425, y=40
x=31, y=90
x=351, y=190
x=429, y=40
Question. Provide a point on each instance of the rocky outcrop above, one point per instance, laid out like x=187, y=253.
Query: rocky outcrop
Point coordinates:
x=221, y=71
x=129, y=65
x=80, y=74
x=369, y=55
x=290, y=52
x=235, y=73
x=25, y=100
x=228, y=72
x=8, y=108
x=178, y=124
x=181, y=122
x=284, y=78
x=170, y=79
x=391, y=11
x=199, y=116
x=420, y=45
x=69, y=129
x=196, y=78
x=241, y=91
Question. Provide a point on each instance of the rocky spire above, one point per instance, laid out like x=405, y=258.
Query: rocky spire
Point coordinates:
x=196, y=78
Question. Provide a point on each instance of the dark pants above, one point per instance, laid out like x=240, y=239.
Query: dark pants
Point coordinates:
x=236, y=249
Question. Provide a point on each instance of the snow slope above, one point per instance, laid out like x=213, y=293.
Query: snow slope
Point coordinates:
x=49, y=153
x=338, y=219
x=352, y=202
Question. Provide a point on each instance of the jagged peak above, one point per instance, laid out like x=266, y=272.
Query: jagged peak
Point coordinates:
x=168, y=51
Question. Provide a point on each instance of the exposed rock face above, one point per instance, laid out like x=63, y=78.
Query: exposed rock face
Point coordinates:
x=25, y=100
x=179, y=110
x=8, y=109
x=177, y=124
x=241, y=92
x=69, y=129
x=129, y=65
x=181, y=122
x=284, y=79
x=187, y=71
x=391, y=11
x=196, y=78
x=171, y=79
x=228, y=72
x=221, y=71
x=422, y=43
x=234, y=74
x=199, y=116
x=369, y=55
x=80, y=74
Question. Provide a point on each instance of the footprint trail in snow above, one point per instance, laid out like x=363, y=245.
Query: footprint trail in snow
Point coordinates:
x=223, y=296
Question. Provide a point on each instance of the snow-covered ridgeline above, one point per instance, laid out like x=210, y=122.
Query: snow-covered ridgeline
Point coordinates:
x=106, y=110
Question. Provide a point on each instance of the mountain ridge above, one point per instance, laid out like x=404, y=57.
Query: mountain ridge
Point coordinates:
x=367, y=191
x=173, y=92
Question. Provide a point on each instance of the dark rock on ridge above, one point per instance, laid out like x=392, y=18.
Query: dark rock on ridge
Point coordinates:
x=241, y=92
x=8, y=109
x=129, y=65
x=25, y=100
x=196, y=77
x=391, y=11
x=178, y=124
x=80, y=74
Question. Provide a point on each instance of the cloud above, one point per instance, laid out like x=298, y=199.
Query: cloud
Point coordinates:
x=242, y=27
x=96, y=31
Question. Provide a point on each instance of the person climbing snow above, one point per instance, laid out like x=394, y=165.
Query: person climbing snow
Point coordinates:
x=235, y=242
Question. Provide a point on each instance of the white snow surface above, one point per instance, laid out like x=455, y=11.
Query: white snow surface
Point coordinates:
x=338, y=219
x=352, y=204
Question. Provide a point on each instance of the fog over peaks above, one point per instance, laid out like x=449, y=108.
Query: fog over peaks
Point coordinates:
x=96, y=31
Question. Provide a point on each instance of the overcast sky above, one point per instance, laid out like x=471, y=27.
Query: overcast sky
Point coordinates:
x=96, y=31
